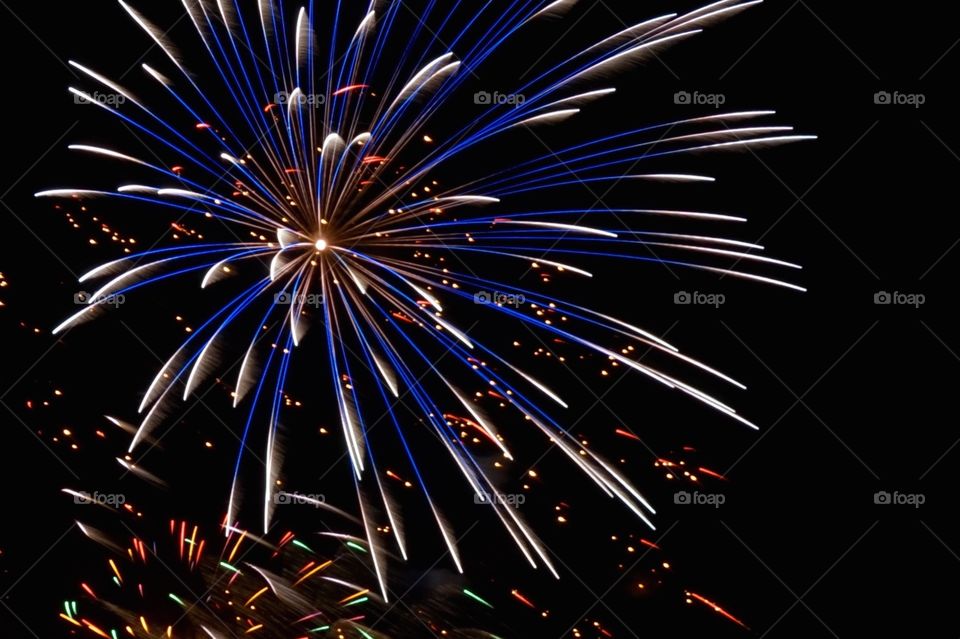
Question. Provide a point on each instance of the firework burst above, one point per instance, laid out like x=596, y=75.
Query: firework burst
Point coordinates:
x=363, y=221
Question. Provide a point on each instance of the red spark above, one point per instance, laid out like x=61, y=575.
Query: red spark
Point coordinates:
x=347, y=89
x=707, y=471
x=523, y=599
x=717, y=609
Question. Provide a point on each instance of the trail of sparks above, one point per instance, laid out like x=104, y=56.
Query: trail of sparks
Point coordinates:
x=283, y=597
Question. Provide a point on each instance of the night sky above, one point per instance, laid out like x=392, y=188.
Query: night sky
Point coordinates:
x=854, y=399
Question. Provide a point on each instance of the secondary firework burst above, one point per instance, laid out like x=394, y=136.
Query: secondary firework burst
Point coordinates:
x=187, y=583
x=362, y=220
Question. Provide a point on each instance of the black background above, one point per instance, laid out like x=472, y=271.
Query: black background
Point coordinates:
x=852, y=398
